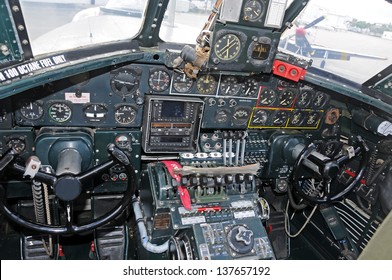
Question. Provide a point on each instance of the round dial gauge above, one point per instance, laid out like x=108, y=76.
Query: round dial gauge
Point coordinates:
x=253, y=10
x=159, y=80
x=95, y=112
x=124, y=82
x=31, y=110
x=320, y=100
x=181, y=82
x=60, y=112
x=280, y=118
x=286, y=98
x=17, y=144
x=297, y=118
x=122, y=141
x=250, y=87
x=241, y=116
x=125, y=114
x=304, y=98
x=227, y=48
x=267, y=97
x=229, y=86
x=222, y=115
x=313, y=118
x=259, y=117
x=206, y=84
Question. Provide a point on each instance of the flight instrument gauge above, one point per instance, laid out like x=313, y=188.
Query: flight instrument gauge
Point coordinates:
x=229, y=86
x=206, y=84
x=267, y=97
x=181, y=82
x=280, y=118
x=259, y=117
x=241, y=115
x=124, y=82
x=95, y=112
x=227, y=47
x=313, y=118
x=159, y=80
x=31, y=110
x=297, y=118
x=250, y=87
x=286, y=98
x=123, y=141
x=60, y=112
x=320, y=100
x=253, y=10
x=17, y=144
x=222, y=115
x=304, y=98
x=125, y=114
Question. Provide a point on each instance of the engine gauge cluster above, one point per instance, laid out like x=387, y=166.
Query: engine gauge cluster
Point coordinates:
x=287, y=106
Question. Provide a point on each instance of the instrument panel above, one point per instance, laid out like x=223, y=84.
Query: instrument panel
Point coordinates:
x=115, y=97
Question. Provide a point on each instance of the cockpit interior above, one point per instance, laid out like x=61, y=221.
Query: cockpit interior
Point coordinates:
x=243, y=144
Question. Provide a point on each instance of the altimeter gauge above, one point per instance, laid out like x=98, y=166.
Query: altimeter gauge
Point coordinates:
x=125, y=114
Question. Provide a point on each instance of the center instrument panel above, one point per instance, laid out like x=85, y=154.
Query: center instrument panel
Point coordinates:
x=167, y=104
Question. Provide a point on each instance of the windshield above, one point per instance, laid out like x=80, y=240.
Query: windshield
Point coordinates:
x=350, y=38
x=56, y=25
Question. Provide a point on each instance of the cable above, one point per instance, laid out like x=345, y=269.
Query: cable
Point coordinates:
x=286, y=221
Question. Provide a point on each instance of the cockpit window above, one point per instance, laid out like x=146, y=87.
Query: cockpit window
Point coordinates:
x=350, y=38
x=55, y=25
x=184, y=20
